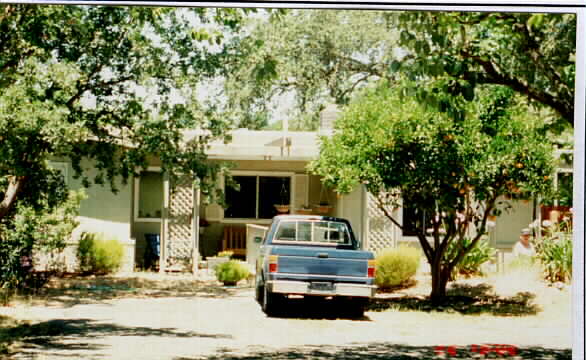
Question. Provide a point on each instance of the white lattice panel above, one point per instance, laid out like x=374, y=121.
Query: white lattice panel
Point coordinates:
x=380, y=229
x=179, y=242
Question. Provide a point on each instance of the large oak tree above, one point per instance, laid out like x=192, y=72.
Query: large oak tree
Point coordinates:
x=106, y=85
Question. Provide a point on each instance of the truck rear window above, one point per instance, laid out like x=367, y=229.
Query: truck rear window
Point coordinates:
x=316, y=232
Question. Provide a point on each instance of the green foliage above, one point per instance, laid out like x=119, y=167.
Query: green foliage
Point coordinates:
x=313, y=57
x=231, y=271
x=395, y=267
x=95, y=86
x=452, y=169
x=98, y=255
x=225, y=253
x=531, y=54
x=36, y=227
x=471, y=263
x=522, y=263
x=554, y=252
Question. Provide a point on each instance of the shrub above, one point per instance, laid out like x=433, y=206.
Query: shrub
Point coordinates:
x=471, y=263
x=97, y=255
x=394, y=267
x=554, y=252
x=231, y=272
x=226, y=253
x=41, y=229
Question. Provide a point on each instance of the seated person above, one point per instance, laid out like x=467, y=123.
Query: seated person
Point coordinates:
x=523, y=247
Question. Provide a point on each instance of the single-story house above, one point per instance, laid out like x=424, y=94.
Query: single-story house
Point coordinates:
x=271, y=170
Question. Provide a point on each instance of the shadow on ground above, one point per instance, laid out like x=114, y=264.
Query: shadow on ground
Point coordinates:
x=73, y=334
x=316, y=309
x=382, y=351
x=75, y=290
x=464, y=299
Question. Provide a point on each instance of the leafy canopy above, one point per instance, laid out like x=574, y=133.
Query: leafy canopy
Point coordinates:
x=308, y=58
x=531, y=54
x=104, y=88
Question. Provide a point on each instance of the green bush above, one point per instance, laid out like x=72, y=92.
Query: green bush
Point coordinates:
x=231, y=272
x=471, y=263
x=394, y=267
x=41, y=228
x=97, y=255
x=225, y=253
x=554, y=252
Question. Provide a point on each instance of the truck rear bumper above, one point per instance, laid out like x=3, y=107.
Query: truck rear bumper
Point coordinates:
x=303, y=288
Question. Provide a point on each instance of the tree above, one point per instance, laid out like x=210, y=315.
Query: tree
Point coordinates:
x=309, y=58
x=532, y=54
x=451, y=170
x=98, y=84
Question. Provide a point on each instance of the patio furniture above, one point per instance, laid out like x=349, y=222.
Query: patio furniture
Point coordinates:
x=234, y=239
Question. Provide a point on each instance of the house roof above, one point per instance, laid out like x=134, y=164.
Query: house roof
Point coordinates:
x=263, y=145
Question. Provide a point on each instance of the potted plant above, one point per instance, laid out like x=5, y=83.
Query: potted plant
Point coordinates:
x=282, y=208
x=305, y=210
x=229, y=273
x=323, y=208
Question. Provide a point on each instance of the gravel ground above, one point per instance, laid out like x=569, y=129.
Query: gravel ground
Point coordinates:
x=177, y=317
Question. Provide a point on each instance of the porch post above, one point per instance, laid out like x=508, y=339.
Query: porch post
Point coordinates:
x=195, y=227
x=164, y=225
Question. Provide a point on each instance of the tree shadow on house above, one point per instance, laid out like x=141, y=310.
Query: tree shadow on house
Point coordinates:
x=464, y=299
x=380, y=351
x=69, y=337
x=75, y=290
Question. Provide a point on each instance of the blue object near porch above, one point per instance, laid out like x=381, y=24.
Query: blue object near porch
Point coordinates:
x=152, y=251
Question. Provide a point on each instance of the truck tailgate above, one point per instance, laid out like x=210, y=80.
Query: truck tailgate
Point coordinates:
x=321, y=262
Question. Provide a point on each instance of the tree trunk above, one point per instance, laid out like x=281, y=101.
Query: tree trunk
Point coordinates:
x=15, y=185
x=439, y=282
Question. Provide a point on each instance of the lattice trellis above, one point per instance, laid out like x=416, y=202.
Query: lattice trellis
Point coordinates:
x=179, y=240
x=380, y=229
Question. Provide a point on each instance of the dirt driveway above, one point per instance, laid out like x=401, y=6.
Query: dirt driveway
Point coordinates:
x=177, y=317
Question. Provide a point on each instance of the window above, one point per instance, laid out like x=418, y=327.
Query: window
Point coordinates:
x=257, y=196
x=314, y=231
x=414, y=219
x=564, y=189
x=149, y=196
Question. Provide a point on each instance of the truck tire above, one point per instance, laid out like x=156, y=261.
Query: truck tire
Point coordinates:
x=258, y=293
x=270, y=302
x=353, y=307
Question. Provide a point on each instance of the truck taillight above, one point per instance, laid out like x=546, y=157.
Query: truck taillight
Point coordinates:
x=273, y=263
x=371, y=268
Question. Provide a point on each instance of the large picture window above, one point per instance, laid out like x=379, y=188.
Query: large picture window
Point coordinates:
x=257, y=196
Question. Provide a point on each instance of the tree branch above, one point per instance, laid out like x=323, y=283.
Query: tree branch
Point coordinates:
x=495, y=76
x=15, y=185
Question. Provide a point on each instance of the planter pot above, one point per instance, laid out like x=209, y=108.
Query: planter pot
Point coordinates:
x=492, y=218
x=554, y=213
x=304, y=211
x=322, y=209
x=282, y=209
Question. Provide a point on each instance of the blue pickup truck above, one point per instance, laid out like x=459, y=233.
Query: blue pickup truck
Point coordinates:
x=314, y=256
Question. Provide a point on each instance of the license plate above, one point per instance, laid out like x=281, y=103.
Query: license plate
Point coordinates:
x=321, y=286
